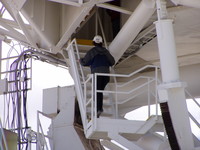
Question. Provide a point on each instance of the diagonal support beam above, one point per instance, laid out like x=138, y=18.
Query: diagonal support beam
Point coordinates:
x=115, y=8
x=16, y=16
x=72, y=28
x=131, y=28
x=121, y=140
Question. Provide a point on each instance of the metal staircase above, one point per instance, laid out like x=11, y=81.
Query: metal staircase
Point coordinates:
x=112, y=126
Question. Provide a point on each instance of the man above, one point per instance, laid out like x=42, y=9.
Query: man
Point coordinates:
x=99, y=59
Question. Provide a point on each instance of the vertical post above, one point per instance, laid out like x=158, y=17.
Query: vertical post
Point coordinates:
x=80, y=1
x=167, y=51
x=156, y=90
x=0, y=57
x=96, y=22
x=149, y=100
x=173, y=89
x=102, y=31
x=95, y=101
x=93, y=95
x=116, y=103
x=38, y=134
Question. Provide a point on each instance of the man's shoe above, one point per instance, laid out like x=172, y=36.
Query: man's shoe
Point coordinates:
x=99, y=113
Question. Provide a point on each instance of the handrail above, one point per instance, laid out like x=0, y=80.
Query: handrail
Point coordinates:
x=190, y=115
x=4, y=138
x=128, y=75
x=78, y=57
x=117, y=91
x=192, y=98
x=194, y=119
x=127, y=92
x=76, y=77
x=89, y=101
x=140, y=77
x=39, y=127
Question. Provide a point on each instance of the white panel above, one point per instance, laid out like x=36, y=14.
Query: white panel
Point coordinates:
x=66, y=95
x=57, y=99
x=50, y=104
x=66, y=138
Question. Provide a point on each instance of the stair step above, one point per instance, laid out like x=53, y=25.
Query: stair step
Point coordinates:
x=106, y=112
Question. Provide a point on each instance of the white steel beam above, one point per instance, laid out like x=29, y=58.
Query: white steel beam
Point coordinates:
x=115, y=8
x=25, y=30
x=110, y=145
x=15, y=36
x=13, y=32
x=190, y=3
x=13, y=24
x=0, y=55
x=16, y=16
x=121, y=140
x=131, y=28
x=174, y=89
x=75, y=23
x=103, y=1
x=67, y=2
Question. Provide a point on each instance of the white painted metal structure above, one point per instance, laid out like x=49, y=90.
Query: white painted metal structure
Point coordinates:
x=157, y=51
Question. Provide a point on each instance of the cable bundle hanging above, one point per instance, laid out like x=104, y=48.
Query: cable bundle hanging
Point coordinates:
x=18, y=93
x=19, y=84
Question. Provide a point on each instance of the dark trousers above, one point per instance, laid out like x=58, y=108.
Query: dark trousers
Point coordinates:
x=102, y=81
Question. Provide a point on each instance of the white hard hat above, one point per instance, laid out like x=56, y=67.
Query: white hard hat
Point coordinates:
x=98, y=39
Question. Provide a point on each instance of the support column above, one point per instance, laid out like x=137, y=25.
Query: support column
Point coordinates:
x=172, y=90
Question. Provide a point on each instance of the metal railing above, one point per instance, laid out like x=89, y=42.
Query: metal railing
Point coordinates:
x=41, y=137
x=90, y=98
x=3, y=142
x=77, y=75
x=87, y=94
x=194, y=120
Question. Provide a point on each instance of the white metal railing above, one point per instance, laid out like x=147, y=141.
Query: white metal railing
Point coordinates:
x=91, y=101
x=78, y=76
x=3, y=142
x=41, y=137
x=87, y=94
x=195, y=121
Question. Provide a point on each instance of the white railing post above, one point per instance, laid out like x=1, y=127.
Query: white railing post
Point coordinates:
x=85, y=102
x=156, y=90
x=95, y=100
x=116, y=103
x=92, y=100
x=149, y=100
x=38, y=141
